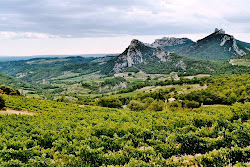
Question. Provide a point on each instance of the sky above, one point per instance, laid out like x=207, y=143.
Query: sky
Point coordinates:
x=46, y=27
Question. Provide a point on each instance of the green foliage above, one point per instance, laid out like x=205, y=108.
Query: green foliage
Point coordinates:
x=147, y=101
x=175, y=104
x=109, y=102
x=202, y=81
x=113, y=81
x=241, y=111
x=191, y=104
x=92, y=86
x=136, y=106
x=8, y=90
x=222, y=90
x=132, y=69
x=135, y=86
x=37, y=69
x=209, y=48
x=64, y=134
x=15, y=83
x=189, y=66
x=156, y=105
x=2, y=103
x=86, y=85
x=246, y=57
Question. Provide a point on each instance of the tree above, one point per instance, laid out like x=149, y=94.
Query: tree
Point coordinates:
x=136, y=106
x=147, y=101
x=191, y=104
x=109, y=102
x=175, y=104
x=8, y=90
x=156, y=105
x=2, y=103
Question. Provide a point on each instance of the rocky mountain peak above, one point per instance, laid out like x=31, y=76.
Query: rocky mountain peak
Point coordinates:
x=169, y=41
x=226, y=38
x=219, y=31
x=137, y=52
x=216, y=46
x=160, y=53
x=135, y=42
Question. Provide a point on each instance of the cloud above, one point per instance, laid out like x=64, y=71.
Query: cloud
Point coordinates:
x=25, y=35
x=106, y=18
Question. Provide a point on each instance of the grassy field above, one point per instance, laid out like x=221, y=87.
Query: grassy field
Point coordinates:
x=240, y=62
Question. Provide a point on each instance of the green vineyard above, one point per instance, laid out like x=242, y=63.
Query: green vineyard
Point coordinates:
x=64, y=134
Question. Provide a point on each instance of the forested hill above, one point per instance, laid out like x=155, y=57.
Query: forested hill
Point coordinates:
x=217, y=46
x=156, y=61
x=39, y=69
x=140, y=56
x=13, y=82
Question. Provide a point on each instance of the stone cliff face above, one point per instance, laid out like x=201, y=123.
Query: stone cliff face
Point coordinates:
x=225, y=38
x=161, y=54
x=136, y=53
x=169, y=41
x=139, y=52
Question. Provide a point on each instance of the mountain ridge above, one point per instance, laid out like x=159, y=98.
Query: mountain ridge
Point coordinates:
x=216, y=46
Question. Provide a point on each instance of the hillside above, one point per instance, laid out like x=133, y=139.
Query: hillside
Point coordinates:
x=163, y=56
x=136, y=53
x=51, y=133
x=39, y=70
x=216, y=46
x=13, y=82
x=140, y=56
x=241, y=60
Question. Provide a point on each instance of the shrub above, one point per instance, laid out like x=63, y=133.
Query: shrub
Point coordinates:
x=2, y=103
x=109, y=102
x=191, y=104
x=113, y=81
x=136, y=106
x=8, y=90
x=147, y=101
x=156, y=105
x=175, y=104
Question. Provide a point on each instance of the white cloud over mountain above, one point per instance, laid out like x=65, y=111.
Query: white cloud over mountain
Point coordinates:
x=91, y=18
x=116, y=20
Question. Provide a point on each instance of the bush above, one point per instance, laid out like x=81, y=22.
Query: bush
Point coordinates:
x=2, y=103
x=191, y=104
x=8, y=90
x=136, y=106
x=147, y=101
x=113, y=81
x=156, y=105
x=109, y=102
x=175, y=104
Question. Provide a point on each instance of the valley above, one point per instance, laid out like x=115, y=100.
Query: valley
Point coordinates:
x=164, y=59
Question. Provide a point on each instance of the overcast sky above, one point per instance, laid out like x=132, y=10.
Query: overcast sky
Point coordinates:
x=35, y=27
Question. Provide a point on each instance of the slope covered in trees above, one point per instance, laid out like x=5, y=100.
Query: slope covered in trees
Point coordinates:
x=13, y=82
x=223, y=90
x=65, y=134
x=39, y=69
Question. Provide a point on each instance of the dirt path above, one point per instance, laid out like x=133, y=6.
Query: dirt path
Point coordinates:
x=12, y=111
